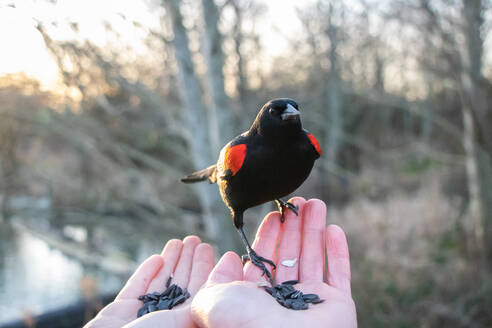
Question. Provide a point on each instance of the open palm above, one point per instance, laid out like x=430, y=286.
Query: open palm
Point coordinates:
x=231, y=297
x=190, y=262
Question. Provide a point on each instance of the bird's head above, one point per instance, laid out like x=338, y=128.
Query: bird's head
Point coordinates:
x=278, y=117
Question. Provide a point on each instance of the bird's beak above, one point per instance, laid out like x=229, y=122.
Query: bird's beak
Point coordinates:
x=290, y=113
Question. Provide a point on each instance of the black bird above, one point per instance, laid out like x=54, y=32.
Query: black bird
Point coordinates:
x=269, y=161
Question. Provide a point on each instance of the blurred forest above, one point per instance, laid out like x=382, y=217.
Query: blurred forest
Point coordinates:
x=399, y=94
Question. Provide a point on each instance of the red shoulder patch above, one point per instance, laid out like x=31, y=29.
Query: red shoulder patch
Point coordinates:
x=234, y=157
x=315, y=143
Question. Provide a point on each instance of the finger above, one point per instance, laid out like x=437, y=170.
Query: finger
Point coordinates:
x=313, y=245
x=290, y=243
x=264, y=245
x=138, y=283
x=228, y=269
x=178, y=317
x=170, y=254
x=117, y=313
x=183, y=268
x=337, y=251
x=203, y=263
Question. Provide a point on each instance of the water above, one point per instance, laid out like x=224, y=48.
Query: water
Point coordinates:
x=35, y=278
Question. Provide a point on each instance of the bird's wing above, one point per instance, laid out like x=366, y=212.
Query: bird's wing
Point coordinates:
x=314, y=143
x=230, y=160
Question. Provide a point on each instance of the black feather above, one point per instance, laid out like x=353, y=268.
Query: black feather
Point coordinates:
x=202, y=175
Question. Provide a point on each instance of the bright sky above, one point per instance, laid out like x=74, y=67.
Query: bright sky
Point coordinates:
x=23, y=48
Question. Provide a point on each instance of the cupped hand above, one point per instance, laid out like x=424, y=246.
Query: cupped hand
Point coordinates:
x=190, y=262
x=231, y=296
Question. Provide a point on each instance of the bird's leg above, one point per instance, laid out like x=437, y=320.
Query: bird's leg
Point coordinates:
x=283, y=205
x=255, y=258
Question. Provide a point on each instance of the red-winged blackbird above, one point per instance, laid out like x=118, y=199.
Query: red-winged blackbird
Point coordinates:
x=269, y=161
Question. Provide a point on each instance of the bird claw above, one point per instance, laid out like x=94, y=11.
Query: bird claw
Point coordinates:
x=258, y=261
x=282, y=205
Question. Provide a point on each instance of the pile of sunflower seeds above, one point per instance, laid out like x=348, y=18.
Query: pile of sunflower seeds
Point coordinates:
x=287, y=296
x=172, y=296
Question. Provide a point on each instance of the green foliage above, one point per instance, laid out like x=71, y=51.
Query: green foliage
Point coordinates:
x=418, y=165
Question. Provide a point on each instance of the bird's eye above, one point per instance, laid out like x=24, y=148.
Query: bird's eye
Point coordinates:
x=274, y=111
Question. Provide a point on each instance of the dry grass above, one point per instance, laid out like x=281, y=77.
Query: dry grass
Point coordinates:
x=409, y=265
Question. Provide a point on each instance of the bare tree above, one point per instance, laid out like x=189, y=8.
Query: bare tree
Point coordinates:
x=220, y=109
x=194, y=117
x=333, y=89
x=477, y=142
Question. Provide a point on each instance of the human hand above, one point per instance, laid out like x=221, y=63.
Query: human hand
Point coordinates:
x=189, y=260
x=231, y=296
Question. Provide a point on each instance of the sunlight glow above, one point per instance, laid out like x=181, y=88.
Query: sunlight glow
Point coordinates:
x=23, y=49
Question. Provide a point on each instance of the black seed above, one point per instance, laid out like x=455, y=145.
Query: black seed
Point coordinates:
x=286, y=289
x=164, y=304
x=153, y=296
x=141, y=297
x=142, y=311
x=299, y=305
x=152, y=307
x=279, y=295
x=179, y=291
x=173, y=291
x=150, y=302
x=180, y=299
x=281, y=301
x=166, y=292
x=309, y=297
x=169, y=281
x=297, y=294
x=289, y=294
x=186, y=293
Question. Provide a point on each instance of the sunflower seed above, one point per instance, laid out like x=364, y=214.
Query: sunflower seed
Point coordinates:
x=310, y=297
x=143, y=310
x=269, y=290
x=168, y=282
x=180, y=299
x=299, y=305
x=289, y=263
x=164, y=304
x=155, y=301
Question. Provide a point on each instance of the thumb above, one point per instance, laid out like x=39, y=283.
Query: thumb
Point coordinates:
x=229, y=268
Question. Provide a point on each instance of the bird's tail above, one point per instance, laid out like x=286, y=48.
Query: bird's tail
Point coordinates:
x=202, y=175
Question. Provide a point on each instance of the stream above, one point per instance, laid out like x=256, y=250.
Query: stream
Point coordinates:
x=35, y=278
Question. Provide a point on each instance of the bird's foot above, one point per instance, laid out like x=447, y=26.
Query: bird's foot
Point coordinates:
x=259, y=261
x=283, y=206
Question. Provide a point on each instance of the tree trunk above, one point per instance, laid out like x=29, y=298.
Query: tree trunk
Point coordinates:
x=219, y=113
x=476, y=138
x=241, y=85
x=473, y=180
x=194, y=117
x=333, y=92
